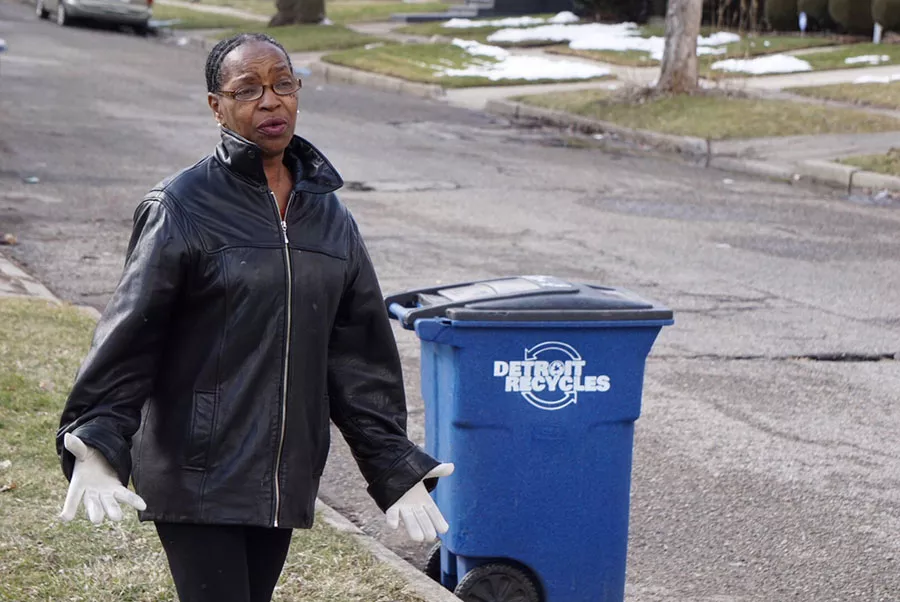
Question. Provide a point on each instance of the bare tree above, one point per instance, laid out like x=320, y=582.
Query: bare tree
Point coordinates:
x=679, y=64
x=291, y=12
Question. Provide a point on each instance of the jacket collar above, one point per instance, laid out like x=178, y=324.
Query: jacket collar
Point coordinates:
x=312, y=171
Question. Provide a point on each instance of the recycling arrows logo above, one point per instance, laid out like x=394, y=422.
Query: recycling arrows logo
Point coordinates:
x=550, y=377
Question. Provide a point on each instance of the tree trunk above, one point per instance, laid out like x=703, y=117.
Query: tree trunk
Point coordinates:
x=292, y=12
x=679, y=64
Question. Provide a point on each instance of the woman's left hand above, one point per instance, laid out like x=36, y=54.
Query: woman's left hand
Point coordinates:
x=420, y=514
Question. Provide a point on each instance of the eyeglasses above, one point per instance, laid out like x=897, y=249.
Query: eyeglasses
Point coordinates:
x=285, y=87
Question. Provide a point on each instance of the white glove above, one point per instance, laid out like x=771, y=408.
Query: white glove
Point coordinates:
x=95, y=481
x=420, y=514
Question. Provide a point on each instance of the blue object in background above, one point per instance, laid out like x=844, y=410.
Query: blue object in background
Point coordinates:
x=531, y=388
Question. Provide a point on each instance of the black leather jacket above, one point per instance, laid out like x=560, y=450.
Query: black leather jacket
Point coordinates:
x=231, y=339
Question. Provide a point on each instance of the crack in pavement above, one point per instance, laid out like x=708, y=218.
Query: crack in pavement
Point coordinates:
x=837, y=357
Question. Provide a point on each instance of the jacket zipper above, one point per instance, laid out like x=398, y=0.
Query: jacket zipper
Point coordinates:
x=287, y=350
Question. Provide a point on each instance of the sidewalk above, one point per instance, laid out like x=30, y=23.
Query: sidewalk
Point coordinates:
x=15, y=282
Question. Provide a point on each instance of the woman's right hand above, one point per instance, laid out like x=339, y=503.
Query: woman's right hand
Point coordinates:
x=95, y=482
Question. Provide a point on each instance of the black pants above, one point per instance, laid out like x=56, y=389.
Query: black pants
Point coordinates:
x=216, y=563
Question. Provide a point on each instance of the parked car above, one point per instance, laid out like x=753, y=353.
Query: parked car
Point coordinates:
x=135, y=13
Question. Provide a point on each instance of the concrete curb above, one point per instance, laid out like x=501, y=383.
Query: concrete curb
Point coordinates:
x=419, y=584
x=874, y=181
x=828, y=173
x=771, y=171
x=852, y=178
x=22, y=284
x=346, y=75
x=684, y=145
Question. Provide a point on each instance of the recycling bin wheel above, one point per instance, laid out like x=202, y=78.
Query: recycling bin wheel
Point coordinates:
x=497, y=583
x=432, y=566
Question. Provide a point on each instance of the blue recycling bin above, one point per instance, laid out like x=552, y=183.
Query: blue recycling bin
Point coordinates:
x=532, y=385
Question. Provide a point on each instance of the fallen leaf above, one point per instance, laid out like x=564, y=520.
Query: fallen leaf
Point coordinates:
x=7, y=487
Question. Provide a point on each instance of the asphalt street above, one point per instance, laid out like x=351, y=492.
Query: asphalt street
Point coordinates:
x=767, y=458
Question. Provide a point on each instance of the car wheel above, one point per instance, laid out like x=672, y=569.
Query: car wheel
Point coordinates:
x=143, y=29
x=42, y=12
x=62, y=17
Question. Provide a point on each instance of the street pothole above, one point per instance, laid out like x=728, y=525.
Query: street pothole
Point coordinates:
x=400, y=186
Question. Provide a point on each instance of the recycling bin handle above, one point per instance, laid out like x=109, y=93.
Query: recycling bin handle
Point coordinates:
x=408, y=315
x=398, y=311
x=403, y=306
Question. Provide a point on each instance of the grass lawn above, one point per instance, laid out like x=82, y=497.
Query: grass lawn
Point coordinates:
x=887, y=164
x=310, y=38
x=747, y=47
x=874, y=95
x=41, y=346
x=420, y=63
x=714, y=117
x=479, y=34
x=194, y=19
x=626, y=58
x=359, y=12
x=342, y=11
x=835, y=59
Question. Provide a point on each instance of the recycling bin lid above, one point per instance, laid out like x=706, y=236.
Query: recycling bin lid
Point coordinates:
x=524, y=299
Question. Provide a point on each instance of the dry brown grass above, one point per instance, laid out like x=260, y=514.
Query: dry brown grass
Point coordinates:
x=714, y=115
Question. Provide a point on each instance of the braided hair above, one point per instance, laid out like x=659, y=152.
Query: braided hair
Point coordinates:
x=220, y=51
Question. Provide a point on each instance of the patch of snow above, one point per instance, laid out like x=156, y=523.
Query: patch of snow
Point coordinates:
x=619, y=37
x=560, y=18
x=767, y=43
x=479, y=49
x=775, y=63
x=564, y=17
x=719, y=39
x=504, y=65
x=871, y=59
x=877, y=79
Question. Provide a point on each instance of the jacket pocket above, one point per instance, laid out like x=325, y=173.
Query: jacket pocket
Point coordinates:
x=200, y=436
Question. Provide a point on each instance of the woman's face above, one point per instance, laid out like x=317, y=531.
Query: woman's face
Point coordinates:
x=268, y=121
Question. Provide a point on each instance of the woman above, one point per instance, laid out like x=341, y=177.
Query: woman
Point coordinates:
x=247, y=315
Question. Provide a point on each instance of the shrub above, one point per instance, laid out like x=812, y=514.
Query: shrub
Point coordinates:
x=817, y=12
x=887, y=12
x=853, y=15
x=614, y=10
x=782, y=14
